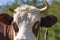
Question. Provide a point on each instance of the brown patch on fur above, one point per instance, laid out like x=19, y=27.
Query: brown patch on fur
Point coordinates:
x=10, y=32
x=16, y=29
x=35, y=28
x=6, y=32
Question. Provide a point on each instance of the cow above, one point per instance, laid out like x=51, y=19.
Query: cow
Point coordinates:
x=26, y=21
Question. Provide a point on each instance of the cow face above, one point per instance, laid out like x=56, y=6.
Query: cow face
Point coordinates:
x=25, y=17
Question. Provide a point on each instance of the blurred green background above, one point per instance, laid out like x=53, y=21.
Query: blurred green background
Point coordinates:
x=54, y=9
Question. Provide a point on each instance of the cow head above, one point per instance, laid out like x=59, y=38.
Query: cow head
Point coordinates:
x=27, y=18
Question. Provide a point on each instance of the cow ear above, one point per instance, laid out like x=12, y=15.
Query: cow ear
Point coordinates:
x=48, y=21
x=42, y=23
x=6, y=19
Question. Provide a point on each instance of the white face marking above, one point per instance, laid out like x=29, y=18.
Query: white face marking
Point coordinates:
x=25, y=17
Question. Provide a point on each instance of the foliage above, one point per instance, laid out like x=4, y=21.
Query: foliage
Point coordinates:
x=13, y=6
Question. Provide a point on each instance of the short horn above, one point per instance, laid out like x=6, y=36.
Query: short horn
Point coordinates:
x=45, y=8
x=12, y=10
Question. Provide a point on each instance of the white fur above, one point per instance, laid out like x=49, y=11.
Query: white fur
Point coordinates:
x=25, y=17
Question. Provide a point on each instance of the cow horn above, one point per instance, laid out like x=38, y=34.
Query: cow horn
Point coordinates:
x=12, y=10
x=45, y=8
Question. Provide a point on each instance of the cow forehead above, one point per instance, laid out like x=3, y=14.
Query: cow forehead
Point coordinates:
x=26, y=8
x=27, y=13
